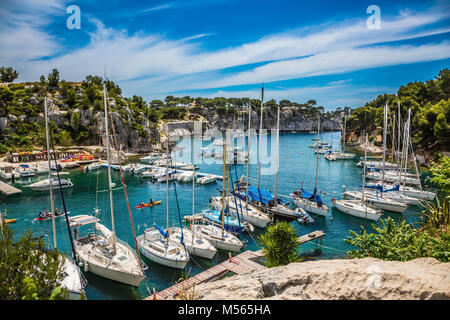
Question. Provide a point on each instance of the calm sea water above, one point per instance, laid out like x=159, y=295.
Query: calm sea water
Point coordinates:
x=297, y=164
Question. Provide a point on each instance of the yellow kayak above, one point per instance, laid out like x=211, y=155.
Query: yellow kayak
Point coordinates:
x=148, y=204
x=9, y=220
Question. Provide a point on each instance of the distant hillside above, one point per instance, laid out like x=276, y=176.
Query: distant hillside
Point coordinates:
x=76, y=114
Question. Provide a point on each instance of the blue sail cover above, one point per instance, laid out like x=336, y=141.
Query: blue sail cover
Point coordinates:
x=308, y=195
x=260, y=195
x=396, y=188
x=378, y=187
x=161, y=231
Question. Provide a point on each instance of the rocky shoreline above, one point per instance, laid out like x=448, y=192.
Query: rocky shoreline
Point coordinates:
x=340, y=279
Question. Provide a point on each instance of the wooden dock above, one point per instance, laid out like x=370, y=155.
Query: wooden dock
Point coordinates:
x=8, y=190
x=239, y=264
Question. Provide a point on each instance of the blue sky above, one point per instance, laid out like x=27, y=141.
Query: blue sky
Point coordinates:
x=300, y=50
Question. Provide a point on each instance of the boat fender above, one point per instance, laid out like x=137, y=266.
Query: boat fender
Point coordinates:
x=331, y=218
x=86, y=267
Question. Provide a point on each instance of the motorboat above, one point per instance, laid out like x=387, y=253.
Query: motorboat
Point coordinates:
x=24, y=170
x=44, y=185
x=206, y=179
x=92, y=167
x=186, y=176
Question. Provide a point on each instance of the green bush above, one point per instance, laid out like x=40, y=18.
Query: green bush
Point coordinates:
x=279, y=245
x=401, y=242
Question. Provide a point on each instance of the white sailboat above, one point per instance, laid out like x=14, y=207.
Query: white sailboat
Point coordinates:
x=100, y=251
x=248, y=213
x=409, y=191
x=379, y=199
x=195, y=244
x=272, y=209
x=219, y=237
x=307, y=201
x=158, y=245
x=342, y=155
x=358, y=208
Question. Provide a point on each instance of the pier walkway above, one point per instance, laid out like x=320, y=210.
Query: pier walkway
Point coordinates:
x=8, y=190
x=239, y=264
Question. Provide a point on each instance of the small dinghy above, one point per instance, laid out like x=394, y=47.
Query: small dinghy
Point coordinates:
x=48, y=215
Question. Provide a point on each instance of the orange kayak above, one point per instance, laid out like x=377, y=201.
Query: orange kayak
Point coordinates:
x=148, y=204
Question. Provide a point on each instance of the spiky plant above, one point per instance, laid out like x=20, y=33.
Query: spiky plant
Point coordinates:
x=436, y=214
x=279, y=245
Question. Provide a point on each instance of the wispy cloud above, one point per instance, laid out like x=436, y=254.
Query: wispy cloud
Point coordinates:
x=151, y=64
x=161, y=7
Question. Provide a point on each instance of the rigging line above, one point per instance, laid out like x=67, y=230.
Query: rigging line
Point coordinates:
x=178, y=207
x=62, y=197
x=123, y=181
x=321, y=245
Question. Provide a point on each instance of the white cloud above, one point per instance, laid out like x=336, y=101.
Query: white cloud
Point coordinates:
x=150, y=64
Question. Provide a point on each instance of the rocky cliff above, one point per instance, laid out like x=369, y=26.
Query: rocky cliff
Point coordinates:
x=349, y=279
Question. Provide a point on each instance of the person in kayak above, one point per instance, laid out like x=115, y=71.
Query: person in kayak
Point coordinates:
x=142, y=203
x=42, y=214
x=151, y=201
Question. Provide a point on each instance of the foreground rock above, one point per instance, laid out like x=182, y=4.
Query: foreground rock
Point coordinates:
x=351, y=279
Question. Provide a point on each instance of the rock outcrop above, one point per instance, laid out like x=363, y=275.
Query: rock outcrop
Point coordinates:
x=349, y=279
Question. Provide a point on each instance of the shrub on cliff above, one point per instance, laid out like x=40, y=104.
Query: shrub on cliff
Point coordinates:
x=279, y=244
x=401, y=242
x=27, y=259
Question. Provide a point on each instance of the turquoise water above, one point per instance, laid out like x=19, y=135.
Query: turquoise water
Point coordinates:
x=297, y=163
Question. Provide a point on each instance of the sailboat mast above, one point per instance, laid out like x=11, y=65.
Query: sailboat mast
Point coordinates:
x=399, y=133
x=364, y=171
x=110, y=185
x=52, y=204
x=248, y=152
x=384, y=143
x=260, y=134
x=277, y=153
x=345, y=129
x=407, y=141
x=317, y=155
x=193, y=179
x=224, y=181
x=393, y=139
x=167, y=184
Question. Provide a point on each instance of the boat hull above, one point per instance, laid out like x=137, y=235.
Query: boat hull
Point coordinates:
x=310, y=206
x=375, y=202
x=159, y=259
x=355, y=211
x=113, y=274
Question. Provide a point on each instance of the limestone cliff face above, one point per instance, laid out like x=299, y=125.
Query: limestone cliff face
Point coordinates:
x=130, y=139
x=290, y=121
x=352, y=279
